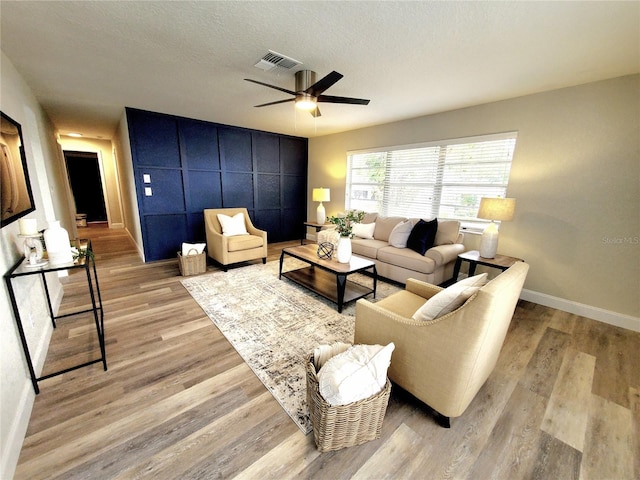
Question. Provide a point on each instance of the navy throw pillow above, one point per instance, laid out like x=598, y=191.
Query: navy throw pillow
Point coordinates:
x=423, y=236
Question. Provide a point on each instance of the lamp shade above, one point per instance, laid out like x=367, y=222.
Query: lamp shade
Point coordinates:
x=321, y=195
x=501, y=209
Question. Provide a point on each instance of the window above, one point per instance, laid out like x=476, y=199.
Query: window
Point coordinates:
x=439, y=179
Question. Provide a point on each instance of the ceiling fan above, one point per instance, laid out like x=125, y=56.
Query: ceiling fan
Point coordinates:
x=309, y=92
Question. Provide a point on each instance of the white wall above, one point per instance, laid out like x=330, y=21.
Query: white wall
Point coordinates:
x=576, y=178
x=43, y=163
x=127, y=183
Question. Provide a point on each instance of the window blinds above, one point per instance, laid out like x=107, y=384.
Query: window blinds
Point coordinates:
x=443, y=179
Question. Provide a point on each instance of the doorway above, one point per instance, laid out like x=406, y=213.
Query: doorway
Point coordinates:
x=83, y=169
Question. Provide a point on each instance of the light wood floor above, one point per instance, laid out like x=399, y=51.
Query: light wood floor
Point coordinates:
x=179, y=402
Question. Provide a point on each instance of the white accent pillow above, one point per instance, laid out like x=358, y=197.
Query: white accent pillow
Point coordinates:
x=188, y=248
x=232, y=225
x=363, y=230
x=450, y=298
x=322, y=353
x=355, y=374
x=400, y=234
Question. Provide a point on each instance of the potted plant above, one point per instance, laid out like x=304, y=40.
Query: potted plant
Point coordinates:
x=344, y=227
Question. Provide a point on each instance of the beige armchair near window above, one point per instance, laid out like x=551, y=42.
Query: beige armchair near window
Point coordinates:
x=227, y=250
x=443, y=362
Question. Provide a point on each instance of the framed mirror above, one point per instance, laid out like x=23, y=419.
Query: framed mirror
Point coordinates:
x=15, y=188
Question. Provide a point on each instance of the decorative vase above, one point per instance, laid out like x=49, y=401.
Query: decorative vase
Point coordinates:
x=56, y=240
x=344, y=250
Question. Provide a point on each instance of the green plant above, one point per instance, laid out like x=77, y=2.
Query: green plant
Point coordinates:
x=80, y=253
x=344, y=222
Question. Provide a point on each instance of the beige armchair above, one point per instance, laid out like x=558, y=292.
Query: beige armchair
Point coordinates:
x=227, y=250
x=443, y=362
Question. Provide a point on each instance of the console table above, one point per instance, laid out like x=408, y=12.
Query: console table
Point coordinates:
x=501, y=262
x=86, y=262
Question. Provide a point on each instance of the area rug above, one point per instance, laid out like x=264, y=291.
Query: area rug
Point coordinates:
x=274, y=324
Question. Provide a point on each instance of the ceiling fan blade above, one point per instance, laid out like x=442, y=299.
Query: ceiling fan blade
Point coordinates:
x=352, y=101
x=271, y=86
x=275, y=103
x=321, y=85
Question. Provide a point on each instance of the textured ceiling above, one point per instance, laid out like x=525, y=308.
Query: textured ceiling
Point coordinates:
x=86, y=61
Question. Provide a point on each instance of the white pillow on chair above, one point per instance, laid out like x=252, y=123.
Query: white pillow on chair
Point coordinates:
x=450, y=298
x=232, y=225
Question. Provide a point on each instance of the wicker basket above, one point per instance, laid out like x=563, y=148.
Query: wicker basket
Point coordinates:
x=336, y=427
x=192, y=264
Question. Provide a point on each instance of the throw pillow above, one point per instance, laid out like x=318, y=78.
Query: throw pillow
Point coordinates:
x=192, y=248
x=322, y=353
x=363, y=230
x=450, y=298
x=355, y=374
x=448, y=231
x=423, y=236
x=384, y=226
x=400, y=234
x=232, y=225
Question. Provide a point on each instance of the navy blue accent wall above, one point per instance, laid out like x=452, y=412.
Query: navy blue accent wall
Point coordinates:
x=193, y=165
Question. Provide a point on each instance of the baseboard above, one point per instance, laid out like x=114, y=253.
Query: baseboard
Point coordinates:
x=18, y=428
x=606, y=316
x=140, y=250
x=116, y=225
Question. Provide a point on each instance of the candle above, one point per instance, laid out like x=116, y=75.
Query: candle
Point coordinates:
x=28, y=226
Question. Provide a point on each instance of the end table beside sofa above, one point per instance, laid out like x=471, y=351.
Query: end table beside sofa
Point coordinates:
x=501, y=262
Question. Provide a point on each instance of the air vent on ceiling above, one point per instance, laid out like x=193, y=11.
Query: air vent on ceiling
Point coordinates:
x=274, y=60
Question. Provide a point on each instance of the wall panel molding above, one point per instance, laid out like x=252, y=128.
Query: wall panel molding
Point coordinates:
x=182, y=166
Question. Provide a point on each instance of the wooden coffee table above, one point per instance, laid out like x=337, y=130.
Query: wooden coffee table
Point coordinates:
x=328, y=277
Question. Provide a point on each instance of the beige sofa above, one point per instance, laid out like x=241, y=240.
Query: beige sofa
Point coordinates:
x=443, y=362
x=227, y=250
x=399, y=264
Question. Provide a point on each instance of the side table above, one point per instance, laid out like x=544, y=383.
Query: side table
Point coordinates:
x=22, y=268
x=501, y=262
x=317, y=226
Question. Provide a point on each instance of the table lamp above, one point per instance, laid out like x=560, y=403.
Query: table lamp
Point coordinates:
x=32, y=242
x=321, y=195
x=493, y=209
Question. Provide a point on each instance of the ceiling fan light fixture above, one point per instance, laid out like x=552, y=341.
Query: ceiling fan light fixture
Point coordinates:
x=306, y=102
x=308, y=92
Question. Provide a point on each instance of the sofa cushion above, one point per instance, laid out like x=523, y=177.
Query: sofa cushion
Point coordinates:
x=403, y=303
x=369, y=217
x=423, y=236
x=243, y=242
x=384, y=226
x=406, y=258
x=400, y=234
x=448, y=231
x=367, y=248
x=355, y=374
x=363, y=230
x=450, y=298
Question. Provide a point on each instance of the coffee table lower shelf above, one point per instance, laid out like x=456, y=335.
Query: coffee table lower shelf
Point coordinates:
x=324, y=283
